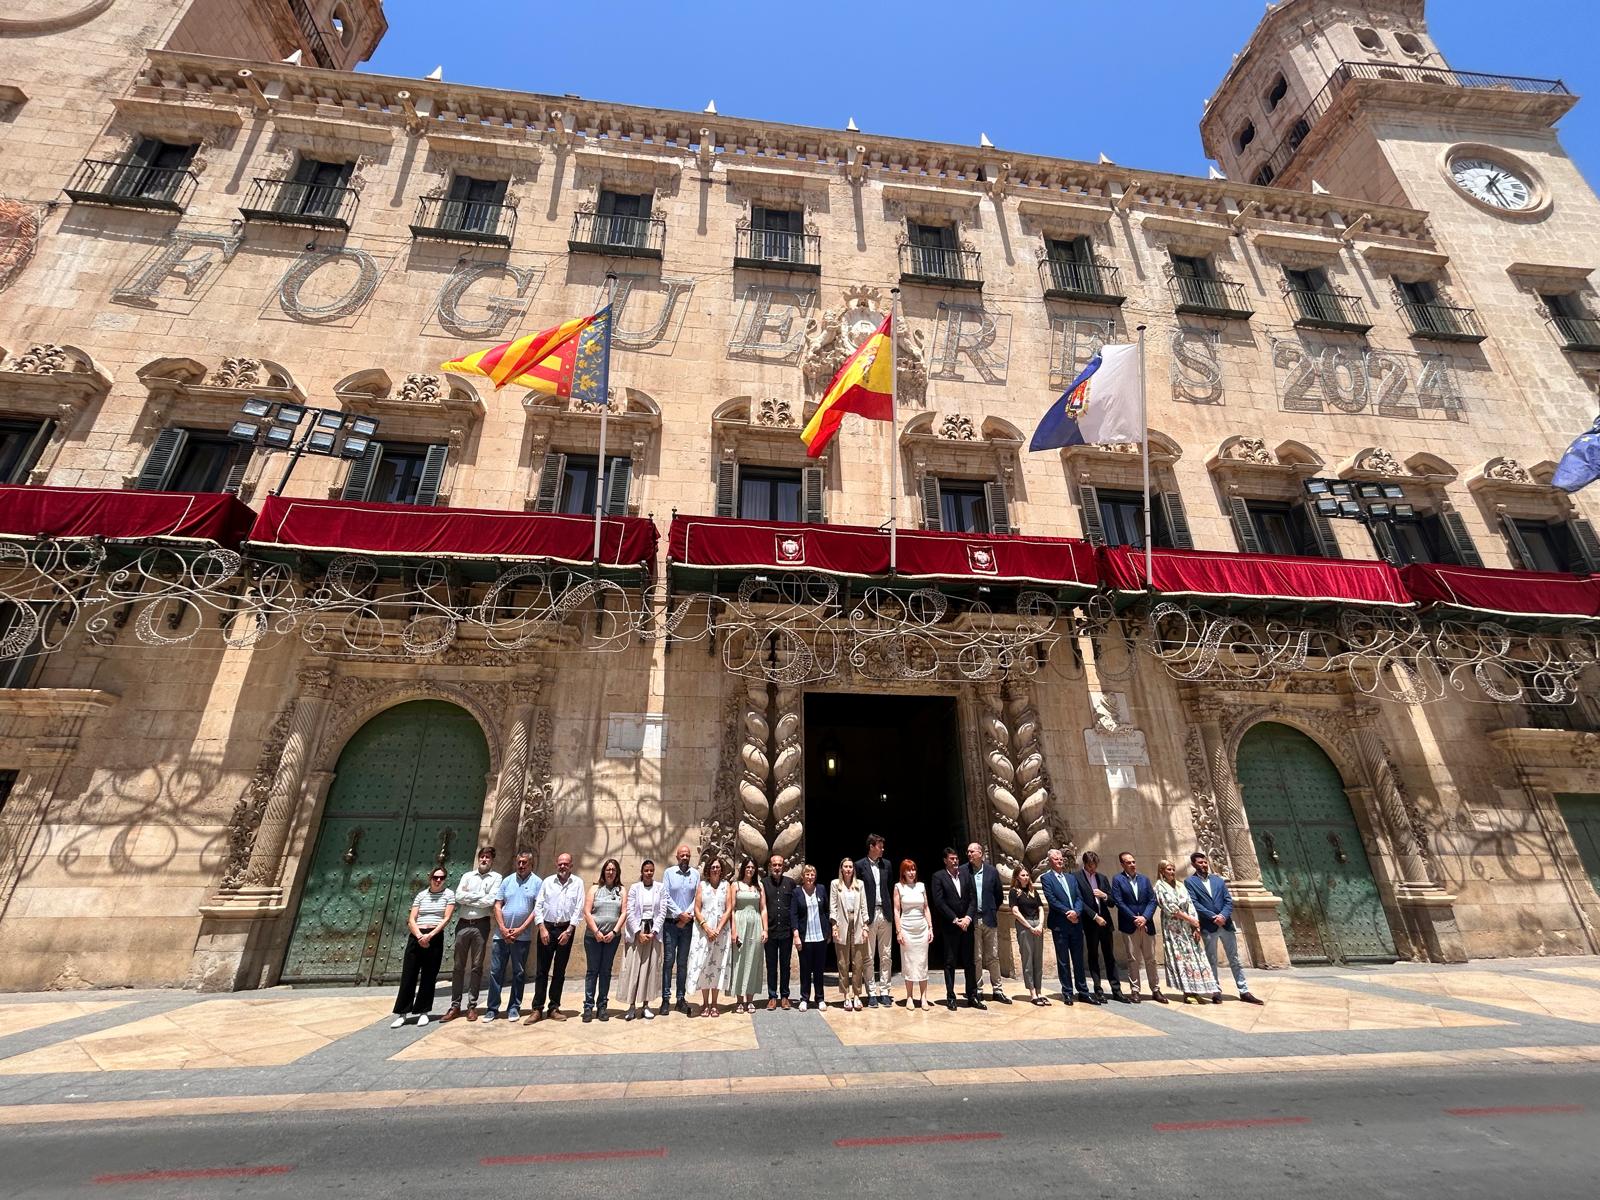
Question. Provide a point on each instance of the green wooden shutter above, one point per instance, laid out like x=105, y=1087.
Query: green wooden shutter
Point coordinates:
x=1459, y=540
x=1094, y=529
x=619, y=476
x=999, y=506
x=163, y=457
x=31, y=452
x=235, y=477
x=812, y=491
x=1178, y=532
x=1588, y=543
x=1322, y=535
x=727, y=499
x=1519, y=548
x=1244, y=526
x=1383, y=538
x=929, y=488
x=358, y=483
x=551, y=474
x=432, y=475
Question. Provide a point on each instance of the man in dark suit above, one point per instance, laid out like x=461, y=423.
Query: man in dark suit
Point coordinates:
x=1135, y=901
x=779, y=889
x=986, y=945
x=1066, y=919
x=878, y=878
x=954, y=911
x=1097, y=930
x=1213, y=904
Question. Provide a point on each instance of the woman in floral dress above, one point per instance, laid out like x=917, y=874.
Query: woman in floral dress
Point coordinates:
x=713, y=931
x=1187, y=969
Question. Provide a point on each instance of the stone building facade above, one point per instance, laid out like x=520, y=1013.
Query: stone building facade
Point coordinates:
x=203, y=204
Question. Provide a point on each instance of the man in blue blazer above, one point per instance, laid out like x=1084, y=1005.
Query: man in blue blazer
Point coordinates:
x=1135, y=901
x=1065, y=919
x=986, y=948
x=1213, y=904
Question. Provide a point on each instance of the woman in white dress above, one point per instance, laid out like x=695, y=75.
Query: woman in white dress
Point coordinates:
x=713, y=930
x=643, y=919
x=914, y=931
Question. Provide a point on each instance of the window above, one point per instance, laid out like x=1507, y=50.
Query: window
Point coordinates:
x=933, y=250
x=1438, y=537
x=317, y=188
x=193, y=460
x=396, y=473
x=1410, y=43
x=1116, y=518
x=965, y=505
x=1314, y=298
x=776, y=234
x=1264, y=176
x=769, y=494
x=1573, y=325
x=1245, y=136
x=153, y=170
x=1072, y=266
x=1553, y=545
x=623, y=219
x=1197, y=283
x=1420, y=301
x=580, y=477
x=1369, y=38
x=474, y=205
x=1284, y=528
x=1276, y=93
x=21, y=443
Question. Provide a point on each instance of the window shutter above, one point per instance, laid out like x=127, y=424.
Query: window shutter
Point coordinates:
x=727, y=503
x=157, y=470
x=1244, y=526
x=1322, y=535
x=358, y=483
x=999, y=506
x=235, y=477
x=1383, y=538
x=1454, y=527
x=1089, y=514
x=459, y=187
x=1584, y=537
x=929, y=489
x=1177, y=521
x=550, y=477
x=432, y=475
x=1519, y=547
x=31, y=453
x=811, y=496
x=619, y=476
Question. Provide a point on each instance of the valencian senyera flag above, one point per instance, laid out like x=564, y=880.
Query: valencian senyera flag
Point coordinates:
x=864, y=386
x=1580, y=465
x=517, y=362
x=1100, y=406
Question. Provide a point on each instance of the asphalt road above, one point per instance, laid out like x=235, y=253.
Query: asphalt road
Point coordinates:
x=1463, y=1133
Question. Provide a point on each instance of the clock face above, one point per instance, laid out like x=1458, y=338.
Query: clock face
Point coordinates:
x=1490, y=183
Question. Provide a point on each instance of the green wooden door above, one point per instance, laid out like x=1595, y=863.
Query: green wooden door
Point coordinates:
x=1310, y=849
x=1582, y=815
x=407, y=796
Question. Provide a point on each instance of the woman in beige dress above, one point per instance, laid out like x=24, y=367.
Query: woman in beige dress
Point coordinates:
x=643, y=917
x=847, y=906
x=914, y=931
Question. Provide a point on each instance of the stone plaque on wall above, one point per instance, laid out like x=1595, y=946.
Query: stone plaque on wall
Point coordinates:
x=636, y=735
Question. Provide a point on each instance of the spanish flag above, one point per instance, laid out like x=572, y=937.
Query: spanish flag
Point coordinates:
x=512, y=362
x=864, y=386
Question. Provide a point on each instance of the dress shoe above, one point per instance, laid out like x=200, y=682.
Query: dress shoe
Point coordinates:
x=450, y=1014
x=1085, y=998
x=1066, y=999
x=683, y=1007
x=1159, y=998
x=784, y=1003
x=1216, y=997
x=534, y=1017
x=472, y=1014
x=1100, y=998
x=1119, y=997
x=951, y=1004
x=1133, y=997
x=975, y=1002
x=771, y=1004
x=1248, y=998
x=1002, y=998
x=555, y=1014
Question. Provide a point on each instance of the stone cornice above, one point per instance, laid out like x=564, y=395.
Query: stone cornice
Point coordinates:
x=55, y=703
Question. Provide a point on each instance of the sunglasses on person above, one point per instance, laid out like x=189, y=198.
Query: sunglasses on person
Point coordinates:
x=436, y=878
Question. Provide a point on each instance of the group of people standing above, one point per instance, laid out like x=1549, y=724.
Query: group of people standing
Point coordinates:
x=696, y=931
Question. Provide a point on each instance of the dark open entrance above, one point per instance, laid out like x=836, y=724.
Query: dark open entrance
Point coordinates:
x=895, y=770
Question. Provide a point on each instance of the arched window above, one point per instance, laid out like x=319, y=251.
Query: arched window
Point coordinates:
x=1370, y=39
x=1245, y=136
x=1410, y=43
x=1276, y=93
x=344, y=27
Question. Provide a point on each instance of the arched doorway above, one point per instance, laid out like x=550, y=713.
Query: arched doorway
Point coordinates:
x=1310, y=849
x=407, y=795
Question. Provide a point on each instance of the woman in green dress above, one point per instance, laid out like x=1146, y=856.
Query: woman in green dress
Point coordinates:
x=749, y=936
x=1187, y=969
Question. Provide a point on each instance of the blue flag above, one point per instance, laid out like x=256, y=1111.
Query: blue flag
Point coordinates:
x=1580, y=465
x=1101, y=405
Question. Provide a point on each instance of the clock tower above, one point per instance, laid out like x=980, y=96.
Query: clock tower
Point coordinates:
x=1354, y=98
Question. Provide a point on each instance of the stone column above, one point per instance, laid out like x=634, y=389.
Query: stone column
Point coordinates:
x=756, y=767
x=511, y=790
x=1003, y=811
x=265, y=870
x=788, y=774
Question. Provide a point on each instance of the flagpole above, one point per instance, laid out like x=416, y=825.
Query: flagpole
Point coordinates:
x=894, y=426
x=1144, y=427
x=605, y=411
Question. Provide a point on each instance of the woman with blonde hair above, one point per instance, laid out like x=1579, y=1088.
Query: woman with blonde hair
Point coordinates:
x=847, y=906
x=808, y=915
x=1187, y=969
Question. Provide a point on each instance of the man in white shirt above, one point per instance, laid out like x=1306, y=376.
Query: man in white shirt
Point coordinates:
x=682, y=882
x=555, y=915
x=878, y=878
x=475, y=897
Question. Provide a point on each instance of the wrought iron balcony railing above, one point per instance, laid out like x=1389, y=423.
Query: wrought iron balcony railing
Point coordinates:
x=610, y=233
x=1086, y=282
x=1209, y=297
x=283, y=202
x=1345, y=72
x=443, y=220
x=773, y=249
x=318, y=45
x=1328, y=310
x=132, y=185
x=1577, y=333
x=1435, y=322
x=940, y=266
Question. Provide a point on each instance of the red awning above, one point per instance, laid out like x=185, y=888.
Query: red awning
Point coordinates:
x=1225, y=576
x=1541, y=594
x=409, y=531
x=721, y=543
x=205, y=518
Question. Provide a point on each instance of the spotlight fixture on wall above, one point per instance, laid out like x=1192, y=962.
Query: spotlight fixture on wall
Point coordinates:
x=275, y=424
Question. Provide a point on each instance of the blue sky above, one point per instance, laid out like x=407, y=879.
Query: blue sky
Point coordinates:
x=1072, y=78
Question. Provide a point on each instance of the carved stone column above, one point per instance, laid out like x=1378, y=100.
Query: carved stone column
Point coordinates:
x=265, y=870
x=788, y=788
x=1032, y=781
x=511, y=790
x=756, y=767
x=1004, y=813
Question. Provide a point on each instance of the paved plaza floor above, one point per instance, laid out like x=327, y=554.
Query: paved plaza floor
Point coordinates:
x=114, y=1055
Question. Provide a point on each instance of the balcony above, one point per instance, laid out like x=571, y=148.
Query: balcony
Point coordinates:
x=132, y=185
x=940, y=266
x=776, y=250
x=1578, y=333
x=315, y=42
x=281, y=202
x=477, y=221
x=617, y=236
x=1347, y=72
x=1209, y=298
x=1435, y=322
x=1085, y=282
x=1336, y=311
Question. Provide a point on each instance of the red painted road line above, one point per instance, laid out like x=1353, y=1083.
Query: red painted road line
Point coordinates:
x=919, y=1139
x=571, y=1156
x=194, y=1173
x=1514, y=1110
x=1242, y=1123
